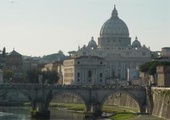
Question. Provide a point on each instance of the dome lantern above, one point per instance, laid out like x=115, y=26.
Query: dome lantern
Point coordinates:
x=114, y=13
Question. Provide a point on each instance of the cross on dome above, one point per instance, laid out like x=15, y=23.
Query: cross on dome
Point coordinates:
x=136, y=38
x=114, y=12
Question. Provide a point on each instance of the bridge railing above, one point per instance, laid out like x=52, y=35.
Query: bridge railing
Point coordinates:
x=54, y=86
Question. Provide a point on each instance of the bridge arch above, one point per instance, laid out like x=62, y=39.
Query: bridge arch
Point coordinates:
x=26, y=94
x=23, y=93
x=59, y=92
x=123, y=92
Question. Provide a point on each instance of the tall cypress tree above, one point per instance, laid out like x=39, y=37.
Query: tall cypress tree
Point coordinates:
x=4, y=52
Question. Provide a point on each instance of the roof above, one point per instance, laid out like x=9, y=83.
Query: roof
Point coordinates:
x=14, y=53
x=87, y=57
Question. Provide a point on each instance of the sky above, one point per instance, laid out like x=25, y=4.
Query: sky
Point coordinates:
x=42, y=27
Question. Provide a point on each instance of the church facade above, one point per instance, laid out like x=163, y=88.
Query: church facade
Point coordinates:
x=115, y=47
x=84, y=70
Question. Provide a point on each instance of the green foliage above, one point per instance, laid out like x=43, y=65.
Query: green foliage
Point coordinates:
x=7, y=75
x=56, y=56
x=32, y=76
x=49, y=77
x=120, y=113
x=145, y=67
x=4, y=52
x=165, y=93
x=150, y=67
x=123, y=116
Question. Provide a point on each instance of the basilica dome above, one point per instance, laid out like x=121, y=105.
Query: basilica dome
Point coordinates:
x=114, y=27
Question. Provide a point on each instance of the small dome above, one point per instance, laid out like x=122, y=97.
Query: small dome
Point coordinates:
x=114, y=27
x=136, y=43
x=92, y=43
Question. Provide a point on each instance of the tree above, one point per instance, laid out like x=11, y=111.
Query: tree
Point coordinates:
x=4, y=52
x=60, y=52
x=150, y=67
x=49, y=77
x=8, y=75
x=32, y=76
x=145, y=67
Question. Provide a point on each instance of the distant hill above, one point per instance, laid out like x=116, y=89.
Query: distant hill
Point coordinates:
x=48, y=58
x=55, y=57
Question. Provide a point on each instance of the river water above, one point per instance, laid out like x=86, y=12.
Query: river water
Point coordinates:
x=21, y=113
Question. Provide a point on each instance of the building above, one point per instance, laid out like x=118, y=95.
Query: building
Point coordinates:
x=115, y=47
x=163, y=76
x=84, y=70
x=13, y=61
x=163, y=55
x=165, y=52
x=29, y=63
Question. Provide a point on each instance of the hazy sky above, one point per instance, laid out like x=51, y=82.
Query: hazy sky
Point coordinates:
x=41, y=27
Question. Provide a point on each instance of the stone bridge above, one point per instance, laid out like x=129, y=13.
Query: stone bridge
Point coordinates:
x=93, y=96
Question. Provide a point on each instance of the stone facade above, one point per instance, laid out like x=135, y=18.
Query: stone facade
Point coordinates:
x=161, y=106
x=163, y=76
x=164, y=55
x=13, y=61
x=165, y=51
x=84, y=70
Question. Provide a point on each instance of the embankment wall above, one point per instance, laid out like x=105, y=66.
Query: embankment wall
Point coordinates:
x=161, y=102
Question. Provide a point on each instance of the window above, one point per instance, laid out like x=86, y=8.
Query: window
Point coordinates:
x=16, y=75
x=101, y=75
x=20, y=75
x=13, y=67
x=78, y=74
x=143, y=53
x=78, y=62
x=100, y=80
x=101, y=62
x=84, y=53
x=78, y=80
x=89, y=74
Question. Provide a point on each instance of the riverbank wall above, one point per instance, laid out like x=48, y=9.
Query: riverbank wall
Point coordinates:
x=161, y=102
x=122, y=100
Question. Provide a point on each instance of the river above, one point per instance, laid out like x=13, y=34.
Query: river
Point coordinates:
x=23, y=113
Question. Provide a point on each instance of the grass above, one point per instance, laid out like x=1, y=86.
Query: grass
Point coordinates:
x=120, y=113
x=123, y=116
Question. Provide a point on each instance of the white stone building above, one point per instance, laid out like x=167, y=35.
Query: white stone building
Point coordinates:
x=84, y=70
x=114, y=45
